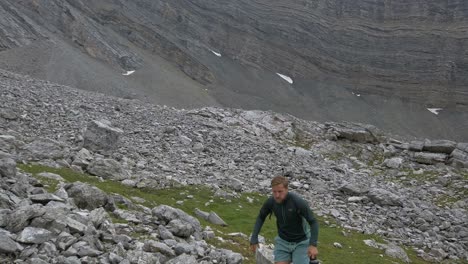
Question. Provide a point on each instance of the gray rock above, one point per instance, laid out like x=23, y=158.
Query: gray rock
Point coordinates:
x=87, y=251
x=65, y=240
x=8, y=144
x=130, y=216
x=3, y=216
x=337, y=245
x=236, y=184
x=7, y=168
x=167, y=214
x=7, y=245
x=164, y=233
x=264, y=255
x=52, y=176
x=438, y=253
x=98, y=216
x=462, y=146
x=129, y=183
x=101, y=137
x=82, y=158
x=459, y=158
x=153, y=247
x=393, y=163
x=215, y=219
x=185, y=140
x=198, y=147
x=32, y=235
x=202, y=214
x=180, y=228
x=416, y=146
x=429, y=158
x=439, y=146
x=19, y=219
x=86, y=196
x=74, y=225
x=42, y=149
x=108, y=169
x=48, y=249
x=353, y=189
x=357, y=132
x=62, y=193
x=184, y=248
x=232, y=257
x=384, y=197
x=37, y=261
x=397, y=252
x=44, y=198
x=184, y=258
x=8, y=200
x=141, y=257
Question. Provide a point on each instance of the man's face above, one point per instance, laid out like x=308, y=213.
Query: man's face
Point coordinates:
x=279, y=193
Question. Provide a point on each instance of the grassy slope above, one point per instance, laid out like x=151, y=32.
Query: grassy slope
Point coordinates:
x=239, y=213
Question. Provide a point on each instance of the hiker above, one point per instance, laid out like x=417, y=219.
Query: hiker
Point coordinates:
x=297, y=228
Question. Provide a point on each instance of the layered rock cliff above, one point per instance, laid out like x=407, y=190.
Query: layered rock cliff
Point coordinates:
x=376, y=62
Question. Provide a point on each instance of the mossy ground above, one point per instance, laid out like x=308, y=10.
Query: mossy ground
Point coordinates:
x=240, y=214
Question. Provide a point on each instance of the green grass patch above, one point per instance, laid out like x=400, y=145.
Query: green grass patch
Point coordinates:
x=240, y=214
x=411, y=175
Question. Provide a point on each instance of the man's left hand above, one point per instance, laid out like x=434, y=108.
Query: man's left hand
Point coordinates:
x=312, y=252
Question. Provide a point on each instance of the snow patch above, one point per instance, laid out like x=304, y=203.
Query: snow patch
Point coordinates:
x=435, y=111
x=216, y=53
x=128, y=73
x=287, y=78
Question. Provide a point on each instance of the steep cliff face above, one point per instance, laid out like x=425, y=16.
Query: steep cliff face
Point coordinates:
x=415, y=49
x=379, y=62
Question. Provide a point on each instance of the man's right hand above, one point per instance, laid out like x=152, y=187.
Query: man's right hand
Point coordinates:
x=253, y=247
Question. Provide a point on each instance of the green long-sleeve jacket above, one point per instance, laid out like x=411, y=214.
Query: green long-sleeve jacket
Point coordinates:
x=289, y=215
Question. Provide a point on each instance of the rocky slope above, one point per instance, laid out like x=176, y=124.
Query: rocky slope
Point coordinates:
x=366, y=61
x=410, y=192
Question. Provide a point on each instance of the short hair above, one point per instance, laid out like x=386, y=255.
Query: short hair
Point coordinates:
x=279, y=180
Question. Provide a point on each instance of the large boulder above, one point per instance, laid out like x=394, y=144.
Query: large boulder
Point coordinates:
x=108, y=169
x=101, y=137
x=167, y=214
x=32, y=235
x=384, y=197
x=429, y=158
x=439, y=146
x=184, y=258
x=20, y=217
x=8, y=144
x=353, y=189
x=181, y=228
x=215, y=219
x=356, y=132
x=462, y=146
x=86, y=196
x=273, y=123
x=82, y=158
x=7, y=168
x=264, y=255
x=397, y=252
x=7, y=245
x=8, y=200
x=154, y=246
x=43, y=148
x=416, y=146
x=459, y=157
